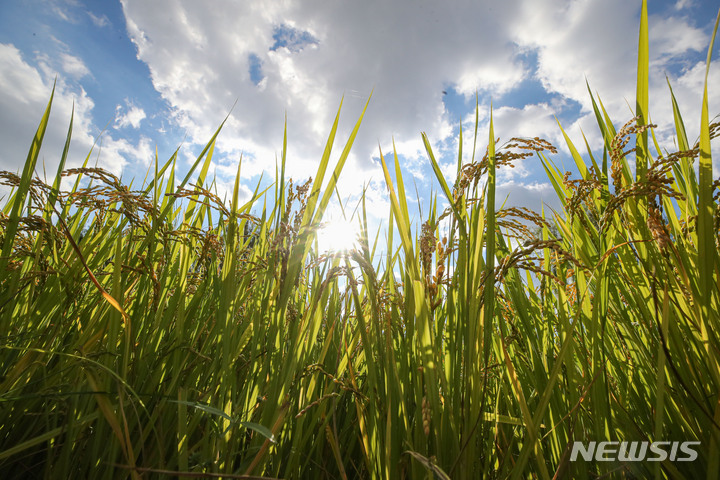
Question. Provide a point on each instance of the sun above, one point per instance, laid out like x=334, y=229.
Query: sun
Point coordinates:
x=338, y=236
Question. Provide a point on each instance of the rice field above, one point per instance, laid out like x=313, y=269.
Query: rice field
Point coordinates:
x=163, y=332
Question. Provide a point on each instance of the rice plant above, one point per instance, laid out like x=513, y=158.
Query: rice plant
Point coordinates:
x=164, y=332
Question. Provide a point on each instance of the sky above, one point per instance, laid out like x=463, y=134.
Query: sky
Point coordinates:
x=165, y=73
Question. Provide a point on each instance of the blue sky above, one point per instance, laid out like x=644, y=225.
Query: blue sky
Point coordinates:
x=163, y=73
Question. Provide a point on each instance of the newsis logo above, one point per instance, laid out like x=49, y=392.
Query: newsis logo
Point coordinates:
x=634, y=451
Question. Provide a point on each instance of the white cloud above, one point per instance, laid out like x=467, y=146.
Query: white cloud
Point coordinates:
x=99, y=21
x=597, y=42
x=579, y=41
x=62, y=13
x=299, y=58
x=672, y=37
x=24, y=94
x=331, y=51
x=73, y=66
x=307, y=54
x=534, y=120
x=65, y=10
x=530, y=195
x=130, y=116
x=497, y=78
x=683, y=4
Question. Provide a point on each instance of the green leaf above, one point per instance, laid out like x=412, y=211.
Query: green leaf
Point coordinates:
x=24, y=186
x=261, y=429
x=429, y=465
x=641, y=105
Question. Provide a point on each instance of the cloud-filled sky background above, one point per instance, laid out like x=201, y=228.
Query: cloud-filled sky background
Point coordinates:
x=165, y=73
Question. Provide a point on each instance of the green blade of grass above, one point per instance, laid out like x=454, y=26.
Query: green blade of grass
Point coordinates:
x=641, y=106
x=708, y=261
x=489, y=289
x=440, y=177
x=24, y=186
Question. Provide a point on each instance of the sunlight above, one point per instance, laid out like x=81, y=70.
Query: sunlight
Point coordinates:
x=337, y=236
